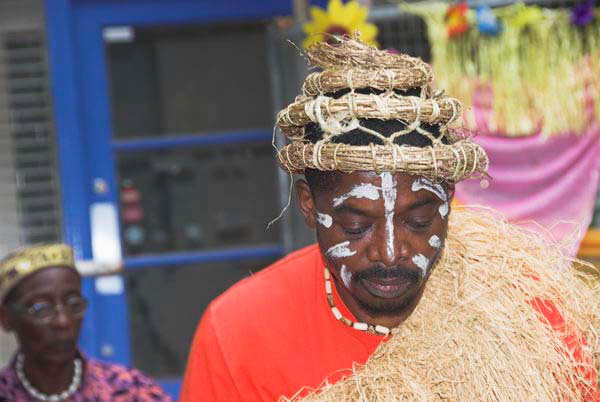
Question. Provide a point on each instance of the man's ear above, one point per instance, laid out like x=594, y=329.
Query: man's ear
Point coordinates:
x=5, y=318
x=306, y=203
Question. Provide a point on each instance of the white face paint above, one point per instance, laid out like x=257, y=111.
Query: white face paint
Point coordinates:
x=324, y=220
x=443, y=209
x=340, y=250
x=423, y=183
x=422, y=262
x=346, y=276
x=388, y=189
x=365, y=190
x=435, y=241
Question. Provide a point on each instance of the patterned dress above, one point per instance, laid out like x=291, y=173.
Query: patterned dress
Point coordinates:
x=102, y=382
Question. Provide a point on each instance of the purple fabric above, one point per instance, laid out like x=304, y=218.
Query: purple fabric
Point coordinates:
x=552, y=181
x=102, y=382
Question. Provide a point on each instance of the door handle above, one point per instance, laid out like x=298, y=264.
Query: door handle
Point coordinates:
x=95, y=268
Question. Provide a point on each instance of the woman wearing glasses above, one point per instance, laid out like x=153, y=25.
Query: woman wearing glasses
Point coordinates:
x=41, y=302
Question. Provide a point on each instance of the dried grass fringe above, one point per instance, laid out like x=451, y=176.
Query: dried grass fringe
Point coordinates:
x=474, y=335
x=541, y=75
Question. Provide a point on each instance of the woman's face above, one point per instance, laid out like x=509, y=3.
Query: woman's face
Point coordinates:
x=45, y=338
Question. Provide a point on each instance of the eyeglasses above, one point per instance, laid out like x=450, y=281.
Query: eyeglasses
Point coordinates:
x=43, y=312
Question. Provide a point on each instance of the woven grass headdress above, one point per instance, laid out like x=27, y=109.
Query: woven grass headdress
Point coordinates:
x=357, y=84
x=24, y=262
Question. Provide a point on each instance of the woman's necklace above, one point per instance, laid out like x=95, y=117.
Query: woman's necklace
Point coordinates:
x=360, y=326
x=75, y=382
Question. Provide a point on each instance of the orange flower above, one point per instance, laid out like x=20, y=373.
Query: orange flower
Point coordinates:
x=456, y=19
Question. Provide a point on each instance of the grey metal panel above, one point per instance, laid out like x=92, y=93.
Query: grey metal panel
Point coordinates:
x=27, y=123
x=20, y=15
x=26, y=144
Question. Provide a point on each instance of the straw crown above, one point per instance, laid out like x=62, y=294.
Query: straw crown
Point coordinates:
x=351, y=65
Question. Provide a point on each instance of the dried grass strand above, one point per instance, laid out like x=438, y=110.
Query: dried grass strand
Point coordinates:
x=432, y=162
x=408, y=109
x=351, y=52
x=384, y=79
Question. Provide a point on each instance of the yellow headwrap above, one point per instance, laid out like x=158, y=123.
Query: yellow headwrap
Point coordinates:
x=24, y=262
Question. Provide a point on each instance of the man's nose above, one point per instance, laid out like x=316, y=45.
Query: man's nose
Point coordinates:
x=388, y=249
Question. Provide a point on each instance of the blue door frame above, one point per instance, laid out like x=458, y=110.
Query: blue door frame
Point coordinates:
x=79, y=81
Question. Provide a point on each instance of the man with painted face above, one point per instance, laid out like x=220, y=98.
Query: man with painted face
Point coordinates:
x=41, y=302
x=379, y=277
x=466, y=307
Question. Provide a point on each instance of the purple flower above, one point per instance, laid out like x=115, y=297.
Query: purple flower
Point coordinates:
x=583, y=13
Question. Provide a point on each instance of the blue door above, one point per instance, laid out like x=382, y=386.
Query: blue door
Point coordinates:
x=164, y=115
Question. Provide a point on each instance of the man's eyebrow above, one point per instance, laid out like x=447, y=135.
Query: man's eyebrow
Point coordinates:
x=348, y=209
x=421, y=203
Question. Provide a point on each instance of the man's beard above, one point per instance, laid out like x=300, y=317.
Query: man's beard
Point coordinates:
x=381, y=306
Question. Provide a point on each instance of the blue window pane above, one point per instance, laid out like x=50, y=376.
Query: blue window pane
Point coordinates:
x=165, y=305
x=197, y=199
x=190, y=79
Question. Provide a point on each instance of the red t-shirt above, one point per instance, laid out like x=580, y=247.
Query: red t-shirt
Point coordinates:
x=274, y=333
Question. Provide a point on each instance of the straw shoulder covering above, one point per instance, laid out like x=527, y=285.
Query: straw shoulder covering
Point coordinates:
x=477, y=333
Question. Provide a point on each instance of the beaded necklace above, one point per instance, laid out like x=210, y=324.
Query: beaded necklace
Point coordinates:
x=360, y=326
x=75, y=382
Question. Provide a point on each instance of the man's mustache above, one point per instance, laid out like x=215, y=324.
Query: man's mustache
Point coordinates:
x=380, y=272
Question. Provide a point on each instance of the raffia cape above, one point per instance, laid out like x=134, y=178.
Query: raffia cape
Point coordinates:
x=475, y=334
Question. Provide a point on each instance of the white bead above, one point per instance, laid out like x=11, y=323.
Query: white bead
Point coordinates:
x=382, y=330
x=327, y=275
x=336, y=313
x=328, y=287
x=44, y=397
x=361, y=326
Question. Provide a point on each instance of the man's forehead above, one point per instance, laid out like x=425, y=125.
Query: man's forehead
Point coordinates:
x=347, y=181
x=391, y=189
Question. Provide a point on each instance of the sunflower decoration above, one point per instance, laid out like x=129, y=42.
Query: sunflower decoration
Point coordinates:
x=339, y=19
